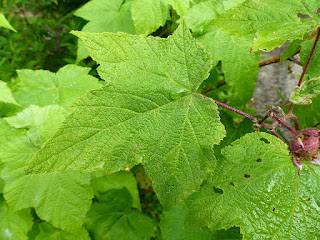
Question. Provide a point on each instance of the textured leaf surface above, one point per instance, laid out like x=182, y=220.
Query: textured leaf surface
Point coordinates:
x=41, y=122
x=104, y=16
x=113, y=218
x=43, y=88
x=48, y=232
x=314, y=66
x=4, y=23
x=274, y=21
x=60, y=198
x=14, y=225
x=257, y=187
x=148, y=15
x=308, y=89
x=147, y=114
x=240, y=67
x=6, y=94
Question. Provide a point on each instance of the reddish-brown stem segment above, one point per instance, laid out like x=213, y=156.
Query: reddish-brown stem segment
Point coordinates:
x=236, y=110
x=307, y=63
x=285, y=125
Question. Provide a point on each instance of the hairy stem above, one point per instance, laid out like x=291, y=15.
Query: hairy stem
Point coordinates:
x=285, y=125
x=235, y=110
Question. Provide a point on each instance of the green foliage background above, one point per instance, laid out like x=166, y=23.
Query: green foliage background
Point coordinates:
x=109, y=130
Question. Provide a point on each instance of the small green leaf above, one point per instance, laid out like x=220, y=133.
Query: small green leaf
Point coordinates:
x=149, y=110
x=292, y=49
x=260, y=191
x=313, y=114
x=313, y=70
x=6, y=94
x=41, y=122
x=104, y=16
x=148, y=15
x=273, y=21
x=308, y=89
x=43, y=88
x=181, y=6
x=114, y=218
x=14, y=225
x=4, y=23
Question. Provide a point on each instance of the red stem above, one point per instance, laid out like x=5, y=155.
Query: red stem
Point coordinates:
x=307, y=64
x=236, y=110
x=285, y=125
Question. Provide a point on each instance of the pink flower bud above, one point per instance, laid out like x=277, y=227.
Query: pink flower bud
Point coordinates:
x=305, y=146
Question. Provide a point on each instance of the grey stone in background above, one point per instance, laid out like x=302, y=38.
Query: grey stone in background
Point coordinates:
x=271, y=77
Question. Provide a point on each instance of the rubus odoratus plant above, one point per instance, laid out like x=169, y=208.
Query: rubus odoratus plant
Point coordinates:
x=170, y=112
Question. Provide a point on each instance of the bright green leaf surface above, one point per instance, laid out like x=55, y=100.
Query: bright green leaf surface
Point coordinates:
x=113, y=218
x=308, y=89
x=148, y=15
x=173, y=226
x=6, y=94
x=274, y=21
x=292, y=49
x=181, y=6
x=117, y=180
x=257, y=187
x=48, y=232
x=104, y=16
x=239, y=65
x=4, y=23
x=60, y=198
x=41, y=122
x=14, y=225
x=43, y=88
x=308, y=115
x=148, y=112
x=314, y=66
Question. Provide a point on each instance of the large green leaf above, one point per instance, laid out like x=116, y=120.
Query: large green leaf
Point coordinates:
x=148, y=15
x=149, y=113
x=104, y=16
x=41, y=122
x=59, y=198
x=43, y=88
x=114, y=218
x=14, y=225
x=239, y=65
x=257, y=187
x=4, y=23
x=273, y=21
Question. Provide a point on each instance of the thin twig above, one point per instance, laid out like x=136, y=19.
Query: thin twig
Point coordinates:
x=236, y=111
